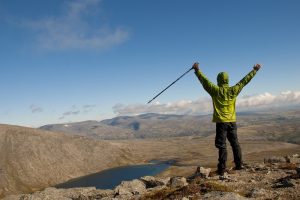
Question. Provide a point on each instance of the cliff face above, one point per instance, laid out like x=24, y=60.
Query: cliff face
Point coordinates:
x=276, y=178
x=32, y=159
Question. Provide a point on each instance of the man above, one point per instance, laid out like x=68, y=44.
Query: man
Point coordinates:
x=224, y=98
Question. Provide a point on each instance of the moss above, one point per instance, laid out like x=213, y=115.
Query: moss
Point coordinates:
x=195, y=189
x=161, y=194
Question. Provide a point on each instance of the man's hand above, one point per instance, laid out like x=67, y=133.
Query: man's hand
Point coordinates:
x=196, y=66
x=257, y=67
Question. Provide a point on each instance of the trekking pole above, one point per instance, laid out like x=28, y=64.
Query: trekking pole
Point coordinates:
x=170, y=85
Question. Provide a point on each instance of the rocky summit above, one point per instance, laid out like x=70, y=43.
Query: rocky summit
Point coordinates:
x=275, y=178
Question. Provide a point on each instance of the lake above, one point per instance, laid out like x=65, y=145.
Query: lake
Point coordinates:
x=110, y=178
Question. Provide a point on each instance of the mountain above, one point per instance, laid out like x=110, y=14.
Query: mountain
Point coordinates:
x=274, y=124
x=92, y=129
x=142, y=126
x=31, y=159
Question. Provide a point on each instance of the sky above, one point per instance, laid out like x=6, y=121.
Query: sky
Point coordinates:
x=65, y=61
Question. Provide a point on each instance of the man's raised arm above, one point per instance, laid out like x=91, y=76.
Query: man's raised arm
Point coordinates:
x=239, y=86
x=207, y=85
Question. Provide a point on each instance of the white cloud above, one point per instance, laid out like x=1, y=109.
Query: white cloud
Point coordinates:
x=267, y=100
x=203, y=106
x=72, y=30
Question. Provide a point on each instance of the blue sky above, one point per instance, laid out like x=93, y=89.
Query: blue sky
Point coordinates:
x=66, y=61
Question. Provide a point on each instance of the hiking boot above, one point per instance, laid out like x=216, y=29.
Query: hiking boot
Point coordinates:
x=240, y=167
x=220, y=172
x=216, y=173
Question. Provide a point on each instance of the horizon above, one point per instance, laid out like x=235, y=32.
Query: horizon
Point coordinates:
x=71, y=61
x=285, y=108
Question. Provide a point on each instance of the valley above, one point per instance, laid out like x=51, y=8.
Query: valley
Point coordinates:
x=33, y=159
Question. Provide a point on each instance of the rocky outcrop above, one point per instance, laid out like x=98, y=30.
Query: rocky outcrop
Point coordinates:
x=177, y=182
x=130, y=188
x=269, y=180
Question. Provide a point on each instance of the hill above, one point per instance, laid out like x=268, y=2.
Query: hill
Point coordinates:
x=92, y=129
x=138, y=127
x=31, y=159
x=274, y=125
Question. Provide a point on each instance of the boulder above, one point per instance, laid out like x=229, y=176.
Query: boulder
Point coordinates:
x=177, y=182
x=204, y=172
x=151, y=181
x=130, y=188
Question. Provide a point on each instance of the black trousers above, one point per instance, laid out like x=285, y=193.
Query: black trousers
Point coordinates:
x=227, y=130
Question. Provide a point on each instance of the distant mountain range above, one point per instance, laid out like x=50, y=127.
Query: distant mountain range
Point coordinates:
x=149, y=125
x=276, y=124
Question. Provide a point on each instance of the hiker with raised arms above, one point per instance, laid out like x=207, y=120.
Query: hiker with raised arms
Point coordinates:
x=224, y=115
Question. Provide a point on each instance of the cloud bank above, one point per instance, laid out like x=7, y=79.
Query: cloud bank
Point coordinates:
x=204, y=106
x=73, y=29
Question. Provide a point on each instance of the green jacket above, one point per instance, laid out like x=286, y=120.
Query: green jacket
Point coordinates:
x=223, y=96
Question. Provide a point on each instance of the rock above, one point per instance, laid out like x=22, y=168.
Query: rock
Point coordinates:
x=204, y=172
x=200, y=172
x=224, y=177
x=252, y=170
x=99, y=194
x=275, y=159
x=293, y=160
x=257, y=192
x=164, y=180
x=152, y=182
x=223, y=196
x=252, y=181
x=261, y=167
x=284, y=183
x=131, y=188
x=177, y=182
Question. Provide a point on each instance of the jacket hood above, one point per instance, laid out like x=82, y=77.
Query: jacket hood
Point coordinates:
x=222, y=78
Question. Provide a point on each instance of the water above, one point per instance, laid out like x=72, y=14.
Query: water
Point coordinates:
x=110, y=178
